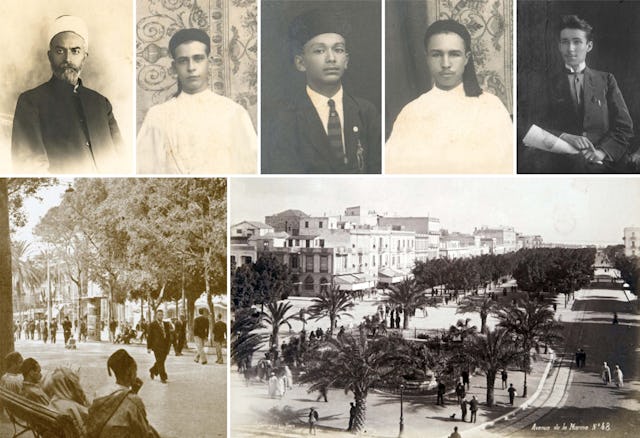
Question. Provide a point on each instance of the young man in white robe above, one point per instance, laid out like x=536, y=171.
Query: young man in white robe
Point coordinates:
x=455, y=127
x=197, y=131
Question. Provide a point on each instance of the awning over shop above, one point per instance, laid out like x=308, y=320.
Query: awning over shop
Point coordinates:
x=391, y=276
x=354, y=282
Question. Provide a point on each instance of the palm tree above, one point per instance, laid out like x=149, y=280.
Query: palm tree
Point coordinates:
x=491, y=352
x=532, y=323
x=25, y=272
x=332, y=302
x=410, y=297
x=356, y=364
x=244, y=339
x=275, y=315
x=483, y=305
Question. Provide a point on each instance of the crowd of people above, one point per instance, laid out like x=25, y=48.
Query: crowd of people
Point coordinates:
x=41, y=330
x=116, y=409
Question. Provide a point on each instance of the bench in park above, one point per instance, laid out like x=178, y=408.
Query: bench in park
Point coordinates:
x=27, y=416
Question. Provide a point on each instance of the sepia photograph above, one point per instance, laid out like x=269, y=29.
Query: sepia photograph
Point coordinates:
x=321, y=86
x=578, y=106
x=196, y=87
x=466, y=307
x=67, y=100
x=113, y=307
x=448, y=86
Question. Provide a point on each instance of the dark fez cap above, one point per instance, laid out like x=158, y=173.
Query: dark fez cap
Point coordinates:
x=315, y=22
x=186, y=35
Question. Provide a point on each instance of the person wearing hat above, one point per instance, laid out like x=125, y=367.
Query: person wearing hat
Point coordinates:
x=117, y=410
x=62, y=126
x=455, y=127
x=197, y=131
x=323, y=129
x=585, y=108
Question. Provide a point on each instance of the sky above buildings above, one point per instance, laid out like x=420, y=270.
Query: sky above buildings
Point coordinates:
x=580, y=210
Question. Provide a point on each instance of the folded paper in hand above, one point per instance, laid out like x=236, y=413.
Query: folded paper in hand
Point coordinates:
x=538, y=138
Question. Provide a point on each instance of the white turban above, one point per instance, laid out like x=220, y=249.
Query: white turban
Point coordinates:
x=69, y=23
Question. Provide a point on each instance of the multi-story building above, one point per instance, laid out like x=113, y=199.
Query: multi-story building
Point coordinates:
x=427, y=231
x=631, y=240
x=287, y=221
x=505, y=238
x=459, y=245
x=526, y=242
x=247, y=229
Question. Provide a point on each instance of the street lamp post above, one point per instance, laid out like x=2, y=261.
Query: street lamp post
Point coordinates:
x=401, y=410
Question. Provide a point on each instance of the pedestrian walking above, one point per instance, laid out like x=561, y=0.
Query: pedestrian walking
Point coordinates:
x=159, y=341
x=54, y=330
x=219, y=336
x=113, y=325
x=289, y=375
x=460, y=392
x=463, y=409
x=503, y=376
x=201, y=334
x=473, y=406
x=44, y=330
x=512, y=393
x=615, y=317
x=441, y=390
x=313, y=420
x=352, y=415
x=606, y=373
x=455, y=433
x=583, y=358
x=180, y=336
x=618, y=377
x=272, y=385
x=66, y=329
x=323, y=393
x=465, y=379
x=577, y=356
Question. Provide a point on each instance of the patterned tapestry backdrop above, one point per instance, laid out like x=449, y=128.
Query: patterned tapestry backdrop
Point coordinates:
x=490, y=23
x=233, y=29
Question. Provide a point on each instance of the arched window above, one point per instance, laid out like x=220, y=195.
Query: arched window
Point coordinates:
x=308, y=283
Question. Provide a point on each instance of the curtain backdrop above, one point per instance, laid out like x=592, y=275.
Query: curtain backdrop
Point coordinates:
x=233, y=29
x=490, y=23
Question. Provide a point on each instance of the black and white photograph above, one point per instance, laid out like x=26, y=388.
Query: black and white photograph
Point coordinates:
x=434, y=307
x=113, y=307
x=321, y=86
x=67, y=100
x=448, y=87
x=196, y=87
x=578, y=105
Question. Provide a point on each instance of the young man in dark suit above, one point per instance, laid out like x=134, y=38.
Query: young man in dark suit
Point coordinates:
x=159, y=340
x=585, y=108
x=323, y=129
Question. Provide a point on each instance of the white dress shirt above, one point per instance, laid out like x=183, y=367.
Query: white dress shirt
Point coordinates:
x=202, y=133
x=448, y=132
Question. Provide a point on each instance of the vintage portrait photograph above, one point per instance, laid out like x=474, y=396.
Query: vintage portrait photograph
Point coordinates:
x=67, y=100
x=387, y=310
x=449, y=67
x=196, y=87
x=113, y=318
x=578, y=100
x=320, y=67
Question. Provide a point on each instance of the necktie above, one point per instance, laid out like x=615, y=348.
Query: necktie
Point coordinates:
x=578, y=87
x=334, y=131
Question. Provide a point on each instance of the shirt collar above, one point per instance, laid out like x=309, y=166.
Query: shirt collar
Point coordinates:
x=580, y=69
x=197, y=96
x=319, y=100
x=457, y=91
x=59, y=83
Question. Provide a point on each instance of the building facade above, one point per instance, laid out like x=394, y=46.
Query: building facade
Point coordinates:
x=631, y=240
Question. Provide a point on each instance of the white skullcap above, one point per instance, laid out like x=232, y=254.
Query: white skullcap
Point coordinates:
x=69, y=23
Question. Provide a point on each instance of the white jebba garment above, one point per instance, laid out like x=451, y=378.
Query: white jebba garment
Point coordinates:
x=202, y=133
x=448, y=132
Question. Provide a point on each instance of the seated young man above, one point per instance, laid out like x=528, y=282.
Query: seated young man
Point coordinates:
x=12, y=379
x=31, y=386
x=323, y=129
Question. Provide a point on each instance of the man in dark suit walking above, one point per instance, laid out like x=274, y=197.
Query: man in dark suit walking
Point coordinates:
x=201, y=335
x=62, y=126
x=322, y=129
x=159, y=340
x=585, y=108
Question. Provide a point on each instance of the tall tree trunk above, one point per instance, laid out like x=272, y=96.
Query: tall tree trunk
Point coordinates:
x=491, y=379
x=6, y=298
x=483, y=322
x=405, y=320
x=361, y=414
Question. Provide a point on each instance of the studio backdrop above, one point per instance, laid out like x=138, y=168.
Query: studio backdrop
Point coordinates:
x=233, y=29
x=616, y=27
x=490, y=24
x=25, y=64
